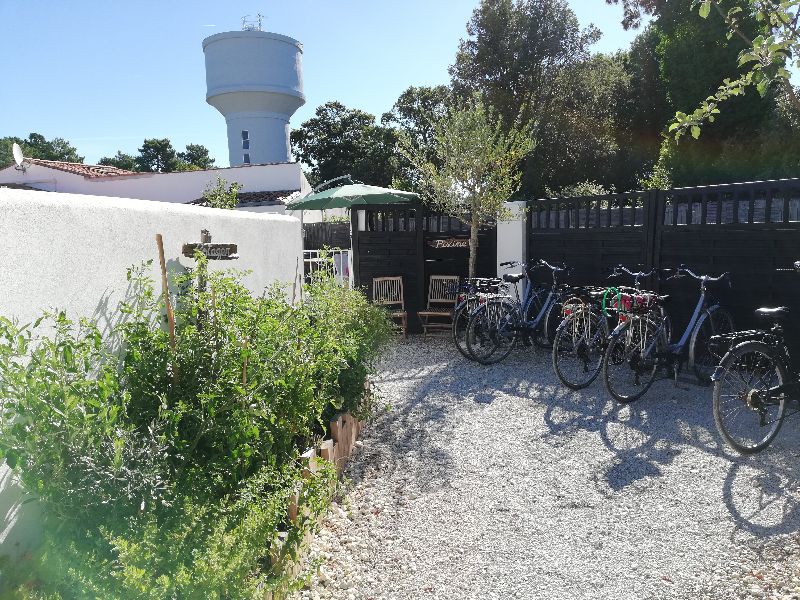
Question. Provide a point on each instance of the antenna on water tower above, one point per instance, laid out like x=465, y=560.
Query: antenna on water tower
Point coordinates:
x=252, y=24
x=255, y=79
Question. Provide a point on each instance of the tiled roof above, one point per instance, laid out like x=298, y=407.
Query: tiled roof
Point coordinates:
x=89, y=171
x=271, y=198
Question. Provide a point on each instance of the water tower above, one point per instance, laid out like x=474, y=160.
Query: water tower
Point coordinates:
x=255, y=79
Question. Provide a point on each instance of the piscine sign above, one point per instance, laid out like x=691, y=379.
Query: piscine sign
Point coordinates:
x=211, y=251
x=449, y=243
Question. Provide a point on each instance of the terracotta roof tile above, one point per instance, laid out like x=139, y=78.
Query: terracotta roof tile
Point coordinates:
x=88, y=171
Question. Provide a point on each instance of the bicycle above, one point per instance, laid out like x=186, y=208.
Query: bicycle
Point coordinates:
x=754, y=381
x=496, y=326
x=582, y=336
x=638, y=346
x=469, y=295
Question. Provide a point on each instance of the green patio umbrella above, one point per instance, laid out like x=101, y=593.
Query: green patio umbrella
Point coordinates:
x=351, y=194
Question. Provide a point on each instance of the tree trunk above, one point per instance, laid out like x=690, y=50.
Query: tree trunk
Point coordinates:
x=473, y=245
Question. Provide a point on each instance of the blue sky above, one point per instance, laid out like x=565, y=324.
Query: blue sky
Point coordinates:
x=106, y=75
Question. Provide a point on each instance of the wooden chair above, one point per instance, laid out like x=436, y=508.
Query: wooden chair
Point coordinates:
x=388, y=292
x=438, y=315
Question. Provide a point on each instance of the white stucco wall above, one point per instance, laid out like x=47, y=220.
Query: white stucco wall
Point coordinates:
x=71, y=252
x=179, y=187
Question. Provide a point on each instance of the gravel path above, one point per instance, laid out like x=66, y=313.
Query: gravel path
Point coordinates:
x=497, y=482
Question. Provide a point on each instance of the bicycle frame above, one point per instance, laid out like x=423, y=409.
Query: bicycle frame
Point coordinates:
x=705, y=307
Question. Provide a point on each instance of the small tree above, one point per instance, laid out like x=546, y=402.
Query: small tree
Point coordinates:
x=475, y=168
x=221, y=194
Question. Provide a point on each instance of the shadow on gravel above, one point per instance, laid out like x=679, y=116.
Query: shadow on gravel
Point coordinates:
x=643, y=436
x=762, y=492
x=436, y=388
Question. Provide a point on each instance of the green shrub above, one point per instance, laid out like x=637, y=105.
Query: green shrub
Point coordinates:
x=165, y=472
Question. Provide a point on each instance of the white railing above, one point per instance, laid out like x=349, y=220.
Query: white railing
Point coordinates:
x=335, y=259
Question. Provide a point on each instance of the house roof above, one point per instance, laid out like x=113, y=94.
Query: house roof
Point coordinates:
x=88, y=171
x=265, y=198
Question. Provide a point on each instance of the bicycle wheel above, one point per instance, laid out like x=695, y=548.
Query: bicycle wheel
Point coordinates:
x=747, y=416
x=460, y=323
x=701, y=359
x=630, y=360
x=578, y=348
x=493, y=331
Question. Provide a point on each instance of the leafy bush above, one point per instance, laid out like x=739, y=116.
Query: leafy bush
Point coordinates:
x=582, y=188
x=164, y=472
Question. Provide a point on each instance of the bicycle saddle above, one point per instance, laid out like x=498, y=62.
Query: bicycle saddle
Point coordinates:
x=513, y=277
x=776, y=314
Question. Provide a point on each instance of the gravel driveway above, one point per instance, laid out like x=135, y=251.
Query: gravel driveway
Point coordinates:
x=497, y=482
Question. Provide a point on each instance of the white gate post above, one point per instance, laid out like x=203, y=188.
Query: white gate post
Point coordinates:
x=511, y=236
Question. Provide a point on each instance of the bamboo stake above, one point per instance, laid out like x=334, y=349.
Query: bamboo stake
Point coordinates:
x=294, y=283
x=170, y=314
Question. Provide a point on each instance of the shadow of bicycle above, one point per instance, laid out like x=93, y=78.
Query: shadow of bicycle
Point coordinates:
x=762, y=492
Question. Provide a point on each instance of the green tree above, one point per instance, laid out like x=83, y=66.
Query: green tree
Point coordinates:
x=476, y=166
x=643, y=111
x=517, y=55
x=196, y=155
x=121, y=160
x=37, y=146
x=338, y=140
x=768, y=37
x=693, y=56
x=157, y=156
x=586, y=138
x=415, y=113
x=516, y=51
x=221, y=194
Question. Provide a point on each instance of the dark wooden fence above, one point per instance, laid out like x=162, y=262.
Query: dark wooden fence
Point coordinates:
x=317, y=236
x=408, y=240
x=747, y=229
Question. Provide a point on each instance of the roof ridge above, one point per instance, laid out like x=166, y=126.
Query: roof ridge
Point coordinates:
x=86, y=170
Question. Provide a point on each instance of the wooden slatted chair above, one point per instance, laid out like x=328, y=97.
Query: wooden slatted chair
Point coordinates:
x=388, y=292
x=438, y=315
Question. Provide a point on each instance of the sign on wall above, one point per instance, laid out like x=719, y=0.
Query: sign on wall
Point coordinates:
x=211, y=251
x=449, y=243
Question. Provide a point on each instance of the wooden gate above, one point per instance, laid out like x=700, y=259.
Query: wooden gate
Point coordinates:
x=410, y=241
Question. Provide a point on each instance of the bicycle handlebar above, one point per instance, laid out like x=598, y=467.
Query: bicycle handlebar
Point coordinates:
x=543, y=263
x=615, y=272
x=688, y=271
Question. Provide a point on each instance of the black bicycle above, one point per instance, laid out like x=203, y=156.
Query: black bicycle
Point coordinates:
x=754, y=381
